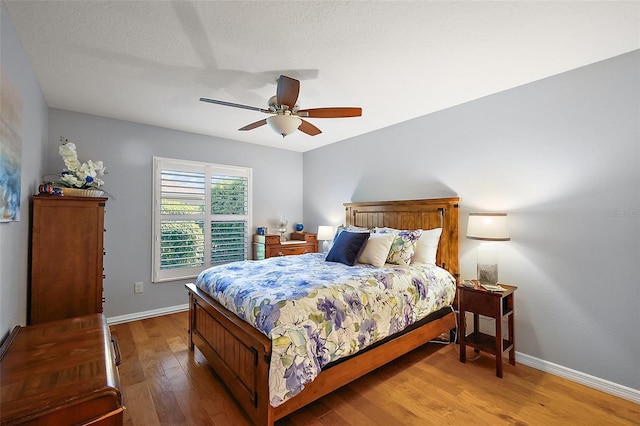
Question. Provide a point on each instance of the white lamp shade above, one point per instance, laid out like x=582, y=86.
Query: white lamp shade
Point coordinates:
x=284, y=124
x=325, y=233
x=488, y=227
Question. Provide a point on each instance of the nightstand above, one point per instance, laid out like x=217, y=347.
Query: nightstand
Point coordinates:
x=497, y=305
x=300, y=243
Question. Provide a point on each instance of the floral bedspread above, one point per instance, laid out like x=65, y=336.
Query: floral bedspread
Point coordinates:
x=315, y=312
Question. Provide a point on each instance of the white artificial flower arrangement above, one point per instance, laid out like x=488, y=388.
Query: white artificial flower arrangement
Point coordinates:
x=76, y=174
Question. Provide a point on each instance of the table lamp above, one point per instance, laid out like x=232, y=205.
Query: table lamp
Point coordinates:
x=325, y=234
x=488, y=228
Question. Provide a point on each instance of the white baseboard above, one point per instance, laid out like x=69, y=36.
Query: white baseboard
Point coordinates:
x=593, y=382
x=147, y=314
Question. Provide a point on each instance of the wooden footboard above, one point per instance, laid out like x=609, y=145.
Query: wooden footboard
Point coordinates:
x=238, y=353
x=240, y=356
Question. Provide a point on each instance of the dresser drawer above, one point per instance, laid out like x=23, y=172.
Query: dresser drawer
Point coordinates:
x=304, y=236
x=290, y=250
x=480, y=302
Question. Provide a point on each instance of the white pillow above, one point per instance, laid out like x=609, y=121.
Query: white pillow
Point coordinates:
x=376, y=249
x=427, y=246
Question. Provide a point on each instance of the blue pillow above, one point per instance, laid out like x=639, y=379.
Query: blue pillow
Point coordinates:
x=349, y=228
x=347, y=246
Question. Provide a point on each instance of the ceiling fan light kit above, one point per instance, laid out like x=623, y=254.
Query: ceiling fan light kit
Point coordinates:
x=284, y=124
x=285, y=111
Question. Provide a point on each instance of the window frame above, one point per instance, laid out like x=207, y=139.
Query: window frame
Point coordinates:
x=209, y=169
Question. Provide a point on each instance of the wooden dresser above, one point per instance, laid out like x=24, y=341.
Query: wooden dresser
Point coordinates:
x=300, y=243
x=66, y=257
x=61, y=373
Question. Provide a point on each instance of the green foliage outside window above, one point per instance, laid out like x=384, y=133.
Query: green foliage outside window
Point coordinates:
x=182, y=243
x=228, y=195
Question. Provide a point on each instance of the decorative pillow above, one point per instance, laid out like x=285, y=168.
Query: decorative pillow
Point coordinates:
x=347, y=247
x=349, y=228
x=427, y=246
x=376, y=249
x=403, y=245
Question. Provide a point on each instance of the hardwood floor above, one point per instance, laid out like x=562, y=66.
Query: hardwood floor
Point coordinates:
x=167, y=384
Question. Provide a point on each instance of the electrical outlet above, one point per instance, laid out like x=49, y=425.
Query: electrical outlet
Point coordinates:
x=138, y=287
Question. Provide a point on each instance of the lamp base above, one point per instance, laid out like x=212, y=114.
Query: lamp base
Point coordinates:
x=325, y=246
x=487, y=264
x=487, y=273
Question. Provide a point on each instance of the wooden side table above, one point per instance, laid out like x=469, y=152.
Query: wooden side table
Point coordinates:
x=496, y=305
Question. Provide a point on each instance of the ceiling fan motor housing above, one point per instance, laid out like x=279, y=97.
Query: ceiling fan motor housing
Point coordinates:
x=273, y=106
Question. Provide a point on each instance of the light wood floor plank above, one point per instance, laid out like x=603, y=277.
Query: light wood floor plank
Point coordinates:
x=140, y=409
x=164, y=383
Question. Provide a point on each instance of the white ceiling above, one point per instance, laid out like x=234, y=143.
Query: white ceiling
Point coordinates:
x=150, y=61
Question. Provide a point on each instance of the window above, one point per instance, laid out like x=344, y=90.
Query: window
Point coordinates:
x=201, y=216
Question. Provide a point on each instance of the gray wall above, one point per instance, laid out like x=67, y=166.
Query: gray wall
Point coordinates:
x=561, y=156
x=127, y=150
x=14, y=236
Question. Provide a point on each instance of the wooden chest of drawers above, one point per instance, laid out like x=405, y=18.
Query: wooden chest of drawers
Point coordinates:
x=61, y=373
x=66, y=257
x=300, y=243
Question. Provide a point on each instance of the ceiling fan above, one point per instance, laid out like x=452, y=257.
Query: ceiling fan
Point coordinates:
x=286, y=113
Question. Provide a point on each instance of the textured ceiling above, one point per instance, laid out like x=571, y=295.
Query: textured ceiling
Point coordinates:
x=150, y=61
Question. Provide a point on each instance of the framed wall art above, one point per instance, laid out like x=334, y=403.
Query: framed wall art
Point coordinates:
x=10, y=149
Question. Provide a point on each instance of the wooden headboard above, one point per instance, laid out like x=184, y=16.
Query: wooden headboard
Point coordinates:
x=414, y=214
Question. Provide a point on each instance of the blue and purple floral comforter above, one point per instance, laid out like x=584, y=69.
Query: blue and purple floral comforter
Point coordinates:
x=315, y=312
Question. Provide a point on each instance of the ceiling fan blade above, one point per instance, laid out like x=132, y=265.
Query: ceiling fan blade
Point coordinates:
x=309, y=128
x=337, y=112
x=231, y=104
x=254, y=125
x=287, y=91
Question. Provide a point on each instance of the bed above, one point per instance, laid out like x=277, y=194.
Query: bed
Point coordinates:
x=241, y=355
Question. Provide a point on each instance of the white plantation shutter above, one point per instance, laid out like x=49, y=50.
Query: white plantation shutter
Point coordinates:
x=228, y=242
x=198, y=225
x=182, y=207
x=229, y=209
